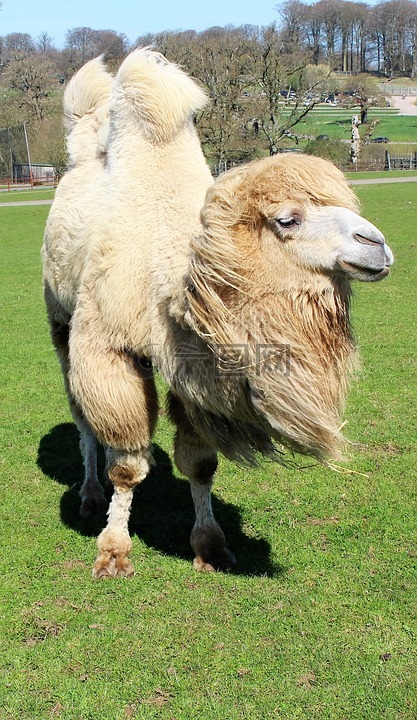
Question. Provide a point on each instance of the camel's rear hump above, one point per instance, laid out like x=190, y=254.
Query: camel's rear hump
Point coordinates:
x=158, y=94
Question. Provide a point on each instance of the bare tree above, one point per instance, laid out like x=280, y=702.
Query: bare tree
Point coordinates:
x=329, y=11
x=362, y=90
x=33, y=79
x=219, y=62
x=18, y=46
x=293, y=13
x=110, y=43
x=81, y=42
x=288, y=89
x=178, y=46
x=313, y=31
x=395, y=28
x=412, y=38
x=45, y=43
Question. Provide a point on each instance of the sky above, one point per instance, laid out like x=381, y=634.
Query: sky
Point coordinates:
x=131, y=17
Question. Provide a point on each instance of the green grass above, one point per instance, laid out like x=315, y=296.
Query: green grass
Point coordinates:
x=23, y=195
x=337, y=124
x=318, y=621
x=378, y=174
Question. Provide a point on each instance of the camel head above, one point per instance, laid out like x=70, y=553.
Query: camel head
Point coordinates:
x=282, y=240
x=285, y=224
x=303, y=214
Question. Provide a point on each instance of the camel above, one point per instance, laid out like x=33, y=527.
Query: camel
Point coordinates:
x=236, y=291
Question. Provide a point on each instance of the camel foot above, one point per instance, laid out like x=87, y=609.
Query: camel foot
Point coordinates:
x=113, y=558
x=223, y=563
x=211, y=551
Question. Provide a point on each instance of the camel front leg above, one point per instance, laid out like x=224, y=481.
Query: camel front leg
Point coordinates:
x=199, y=462
x=125, y=470
x=117, y=395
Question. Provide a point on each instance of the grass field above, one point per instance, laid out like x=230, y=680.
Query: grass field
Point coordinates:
x=337, y=124
x=23, y=195
x=380, y=174
x=318, y=621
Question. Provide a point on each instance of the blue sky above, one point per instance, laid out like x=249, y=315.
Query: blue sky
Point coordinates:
x=131, y=17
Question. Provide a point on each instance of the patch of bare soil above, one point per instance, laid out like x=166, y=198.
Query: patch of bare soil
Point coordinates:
x=405, y=104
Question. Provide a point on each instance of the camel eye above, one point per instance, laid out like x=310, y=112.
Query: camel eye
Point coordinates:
x=287, y=222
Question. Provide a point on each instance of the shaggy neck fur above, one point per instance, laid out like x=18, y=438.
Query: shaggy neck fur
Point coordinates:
x=291, y=354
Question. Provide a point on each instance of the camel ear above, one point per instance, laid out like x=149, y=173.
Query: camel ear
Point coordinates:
x=223, y=203
x=218, y=205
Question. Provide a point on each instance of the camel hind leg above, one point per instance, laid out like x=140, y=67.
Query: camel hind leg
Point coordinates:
x=93, y=500
x=199, y=462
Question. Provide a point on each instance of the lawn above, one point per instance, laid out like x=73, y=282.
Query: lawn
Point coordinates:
x=378, y=174
x=337, y=124
x=317, y=622
x=23, y=195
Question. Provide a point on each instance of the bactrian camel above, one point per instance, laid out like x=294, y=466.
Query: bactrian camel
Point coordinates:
x=236, y=291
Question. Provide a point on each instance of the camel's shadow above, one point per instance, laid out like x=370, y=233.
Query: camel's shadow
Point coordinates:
x=162, y=511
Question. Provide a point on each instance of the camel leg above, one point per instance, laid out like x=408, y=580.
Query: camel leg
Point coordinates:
x=92, y=496
x=199, y=462
x=125, y=470
x=118, y=398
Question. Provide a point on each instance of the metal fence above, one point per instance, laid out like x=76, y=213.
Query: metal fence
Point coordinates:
x=401, y=163
x=390, y=89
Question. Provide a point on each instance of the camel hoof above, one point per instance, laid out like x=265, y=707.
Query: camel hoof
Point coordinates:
x=201, y=566
x=222, y=562
x=113, y=560
x=105, y=567
x=211, y=553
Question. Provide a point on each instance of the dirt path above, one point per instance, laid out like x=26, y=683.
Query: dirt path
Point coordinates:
x=406, y=105
x=382, y=181
x=22, y=203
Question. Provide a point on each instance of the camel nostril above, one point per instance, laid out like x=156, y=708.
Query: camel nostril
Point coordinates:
x=374, y=240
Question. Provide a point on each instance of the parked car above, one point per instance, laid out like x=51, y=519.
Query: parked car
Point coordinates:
x=380, y=140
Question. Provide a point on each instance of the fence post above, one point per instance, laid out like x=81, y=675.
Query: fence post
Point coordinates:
x=387, y=161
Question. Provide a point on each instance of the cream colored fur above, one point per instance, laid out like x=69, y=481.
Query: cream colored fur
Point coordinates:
x=86, y=109
x=155, y=263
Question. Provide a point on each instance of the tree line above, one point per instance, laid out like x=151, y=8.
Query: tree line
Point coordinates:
x=355, y=36
x=261, y=80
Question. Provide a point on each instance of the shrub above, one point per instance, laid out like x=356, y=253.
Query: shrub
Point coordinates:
x=331, y=149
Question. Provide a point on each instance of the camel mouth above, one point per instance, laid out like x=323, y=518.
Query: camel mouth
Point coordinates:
x=364, y=274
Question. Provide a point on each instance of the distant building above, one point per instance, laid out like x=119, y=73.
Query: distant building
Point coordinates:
x=21, y=172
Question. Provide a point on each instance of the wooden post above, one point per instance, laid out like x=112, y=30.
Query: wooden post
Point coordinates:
x=28, y=155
